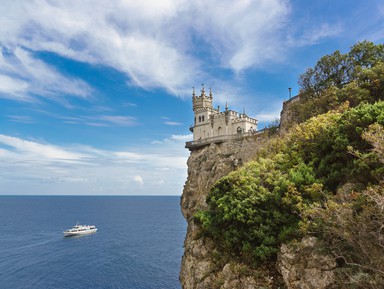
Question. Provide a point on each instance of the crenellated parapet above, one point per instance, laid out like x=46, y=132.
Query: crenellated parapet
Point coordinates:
x=202, y=102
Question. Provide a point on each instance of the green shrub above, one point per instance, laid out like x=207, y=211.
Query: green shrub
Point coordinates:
x=257, y=207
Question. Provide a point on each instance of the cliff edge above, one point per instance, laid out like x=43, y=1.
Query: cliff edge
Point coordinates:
x=205, y=166
x=202, y=266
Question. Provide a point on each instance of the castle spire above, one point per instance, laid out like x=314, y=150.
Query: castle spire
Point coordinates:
x=226, y=106
x=202, y=90
x=193, y=92
x=210, y=92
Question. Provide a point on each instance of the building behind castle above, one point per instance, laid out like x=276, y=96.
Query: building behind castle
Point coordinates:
x=213, y=124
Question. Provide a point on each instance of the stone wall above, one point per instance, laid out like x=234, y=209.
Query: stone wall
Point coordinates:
x=286, y=114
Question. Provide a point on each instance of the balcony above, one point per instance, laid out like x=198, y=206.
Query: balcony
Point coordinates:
x=219, y=139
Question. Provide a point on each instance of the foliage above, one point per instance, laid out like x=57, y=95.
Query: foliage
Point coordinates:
x=292, y=187
x=334, y=164
x=256, y=208
x=352, y=226
x=337, y=70
x=273, y=127
x=375, y=136
x=356, y=77
x=250, y=213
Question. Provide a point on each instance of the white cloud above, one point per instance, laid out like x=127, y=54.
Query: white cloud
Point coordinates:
x=172, y=123
x=13, y=88
x=101, y=120
x=139, y=180
x=87, y=170
x=181, y=137
x=267, y=117
x=119, y=120
x=22, y=75
x=39, y=151
x=20, y=118
x=158, y=44
x=154, y=43
x=315, y=35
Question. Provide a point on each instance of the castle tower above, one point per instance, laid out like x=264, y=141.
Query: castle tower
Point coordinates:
x=202, y=108
x=202, y=102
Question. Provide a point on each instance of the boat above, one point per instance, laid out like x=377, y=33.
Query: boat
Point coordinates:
x=80, y=230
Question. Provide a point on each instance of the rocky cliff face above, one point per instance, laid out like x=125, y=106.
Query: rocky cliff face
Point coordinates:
x=298, y=267
x=200, y=270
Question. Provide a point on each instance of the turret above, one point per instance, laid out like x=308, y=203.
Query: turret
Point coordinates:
x=202, y=102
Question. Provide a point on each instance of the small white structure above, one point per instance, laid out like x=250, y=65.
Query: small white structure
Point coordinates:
x=212, y=123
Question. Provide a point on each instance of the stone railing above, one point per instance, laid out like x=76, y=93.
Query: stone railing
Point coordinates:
x=219, y=139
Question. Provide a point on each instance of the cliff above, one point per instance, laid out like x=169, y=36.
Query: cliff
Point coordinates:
x=205, y=166
x=297, y=267
x=321, y=178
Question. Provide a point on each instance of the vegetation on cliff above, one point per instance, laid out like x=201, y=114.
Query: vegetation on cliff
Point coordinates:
x=356, y=76
x=297, y=185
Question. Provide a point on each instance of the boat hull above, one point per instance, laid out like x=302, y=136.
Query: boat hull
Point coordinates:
x=79, y=230
x=86, y=232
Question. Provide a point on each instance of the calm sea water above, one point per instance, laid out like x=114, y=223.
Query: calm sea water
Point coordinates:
x=139, y=243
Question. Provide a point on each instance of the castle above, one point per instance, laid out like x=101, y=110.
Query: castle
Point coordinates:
x=213, y=125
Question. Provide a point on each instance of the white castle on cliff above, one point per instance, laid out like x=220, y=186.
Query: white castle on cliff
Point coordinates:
x=213, y=125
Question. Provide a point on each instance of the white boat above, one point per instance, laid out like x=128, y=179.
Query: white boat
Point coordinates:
x=80, y=230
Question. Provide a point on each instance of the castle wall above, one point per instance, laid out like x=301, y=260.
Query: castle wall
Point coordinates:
x=221, y=124
x=210, y=122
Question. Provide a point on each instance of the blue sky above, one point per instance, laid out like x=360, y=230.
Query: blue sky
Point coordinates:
x=95, y=96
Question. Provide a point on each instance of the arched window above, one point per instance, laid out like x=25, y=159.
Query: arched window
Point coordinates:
x=199, y=118
x=202, y=118
x=239, y=130
x=195, y=119
x=219, y=132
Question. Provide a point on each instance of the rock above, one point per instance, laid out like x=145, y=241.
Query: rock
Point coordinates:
x=304, y=267
x=301, y=266
x=206, y=166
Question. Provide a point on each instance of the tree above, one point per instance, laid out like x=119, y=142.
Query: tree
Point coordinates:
x=356, y=77
x=336, y=69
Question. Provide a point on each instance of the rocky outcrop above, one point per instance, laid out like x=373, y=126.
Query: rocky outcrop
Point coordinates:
x=303, y=266
x=206, y=165
x=298, y=267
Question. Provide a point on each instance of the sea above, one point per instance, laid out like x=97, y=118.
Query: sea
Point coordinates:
x=138, y=245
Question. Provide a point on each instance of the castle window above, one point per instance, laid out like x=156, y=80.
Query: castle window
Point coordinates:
x=195, y=120
x=239, y=130
x=199, y=118
x=202, y=118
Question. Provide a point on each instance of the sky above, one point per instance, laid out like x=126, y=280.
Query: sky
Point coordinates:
x=95, y=96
